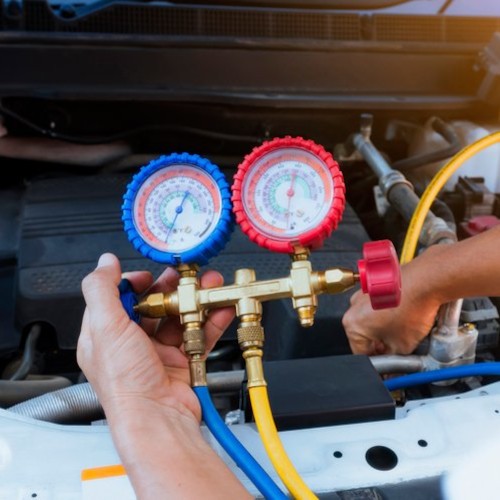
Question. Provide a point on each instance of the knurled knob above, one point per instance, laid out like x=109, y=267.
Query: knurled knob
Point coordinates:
x=194, y=341
x=251, y=335
x=380, y=274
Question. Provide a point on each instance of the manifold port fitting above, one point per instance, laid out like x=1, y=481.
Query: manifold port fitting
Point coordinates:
x=152, y=306
x=306, y=315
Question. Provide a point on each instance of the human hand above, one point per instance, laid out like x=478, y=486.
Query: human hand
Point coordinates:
x=397, y=330
x=129, y=365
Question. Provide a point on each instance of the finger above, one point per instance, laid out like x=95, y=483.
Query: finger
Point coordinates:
x=83, y=347
x=361, y=345
x=217, y=320
x=379, y=347
x=85, y=322
x=169, y=332
x=170, y=356
x=100, y=287
x=166, y=282
x=216, y=325
x=140, y=280
x=356, y=297
x=149, y=325
x=100, y=290
x=211, y=279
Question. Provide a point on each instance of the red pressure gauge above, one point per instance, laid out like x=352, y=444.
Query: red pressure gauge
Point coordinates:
x=288, y=192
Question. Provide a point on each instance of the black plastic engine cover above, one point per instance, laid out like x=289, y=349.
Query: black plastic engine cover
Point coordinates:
x=68, y=222
x=306, y=393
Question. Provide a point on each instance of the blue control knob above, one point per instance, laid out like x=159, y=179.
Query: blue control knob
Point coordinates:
x=129, y=300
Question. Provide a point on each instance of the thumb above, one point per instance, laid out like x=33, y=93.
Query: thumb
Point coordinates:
x=100, y=290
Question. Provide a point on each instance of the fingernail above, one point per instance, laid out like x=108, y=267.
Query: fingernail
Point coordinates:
x=106, y=259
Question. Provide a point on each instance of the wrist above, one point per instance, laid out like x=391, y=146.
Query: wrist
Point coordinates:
x=426, y=277
x=129, y=410
x=157, y=445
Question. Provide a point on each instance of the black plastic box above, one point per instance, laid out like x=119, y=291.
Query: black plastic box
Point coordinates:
x=325, y=391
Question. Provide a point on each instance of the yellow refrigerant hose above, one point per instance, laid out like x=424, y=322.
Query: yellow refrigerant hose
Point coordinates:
x=433, y=189
x=274, y=448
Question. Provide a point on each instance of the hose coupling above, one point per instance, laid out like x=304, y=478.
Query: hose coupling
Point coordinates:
x=389, y=180
x=436, y=230
x=255, y=369
x=197, y=371
x=194, y=339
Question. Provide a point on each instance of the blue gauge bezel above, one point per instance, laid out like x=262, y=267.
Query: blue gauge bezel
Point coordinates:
x=201, y=253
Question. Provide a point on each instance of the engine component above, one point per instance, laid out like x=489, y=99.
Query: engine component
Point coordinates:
x=78, y=402
x=476, y=198
x=26, y=364
x=16, y=391
x=478, y=225
x=399, y=192
x=489, y=59
x=444, y=130
x=325, y=391
x=482, y=312
x=439, y=180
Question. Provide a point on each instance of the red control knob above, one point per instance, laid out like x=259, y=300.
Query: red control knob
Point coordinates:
x=380, y=274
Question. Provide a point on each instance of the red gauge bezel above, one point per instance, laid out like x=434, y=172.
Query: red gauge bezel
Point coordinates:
x=313, y=238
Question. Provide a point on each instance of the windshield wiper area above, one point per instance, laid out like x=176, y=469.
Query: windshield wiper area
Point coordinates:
x=303, y=4
x=80, y=8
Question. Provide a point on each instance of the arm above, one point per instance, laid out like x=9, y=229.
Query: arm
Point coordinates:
x=443, y=273
x=141, y=378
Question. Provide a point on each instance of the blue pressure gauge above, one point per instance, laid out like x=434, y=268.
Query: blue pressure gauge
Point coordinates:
x=177, y=210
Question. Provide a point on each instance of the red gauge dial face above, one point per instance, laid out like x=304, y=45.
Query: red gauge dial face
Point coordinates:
x=177, y=208
x=287, y=193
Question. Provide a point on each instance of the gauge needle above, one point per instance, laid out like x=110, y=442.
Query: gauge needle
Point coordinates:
x=290, y=192
x=178, y=210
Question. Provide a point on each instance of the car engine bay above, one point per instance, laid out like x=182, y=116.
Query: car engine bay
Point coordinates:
x=80, y=115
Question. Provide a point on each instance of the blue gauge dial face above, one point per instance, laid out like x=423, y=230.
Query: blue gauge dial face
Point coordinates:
x=177, y=208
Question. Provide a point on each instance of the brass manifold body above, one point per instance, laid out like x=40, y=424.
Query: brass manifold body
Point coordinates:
x=191, y=303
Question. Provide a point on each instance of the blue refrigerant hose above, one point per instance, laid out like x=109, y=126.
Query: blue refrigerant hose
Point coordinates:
x=479, y=369
x=235, y=449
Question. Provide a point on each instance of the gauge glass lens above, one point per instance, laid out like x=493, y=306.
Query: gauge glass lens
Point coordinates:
x=177, y=208
x=287, y=192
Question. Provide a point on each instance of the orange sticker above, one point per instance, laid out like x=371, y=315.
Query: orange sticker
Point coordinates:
x=103, y=472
